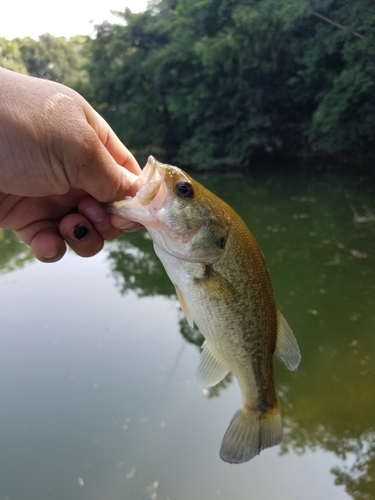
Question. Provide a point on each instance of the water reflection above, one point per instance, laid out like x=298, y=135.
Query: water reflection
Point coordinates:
x=13, y=253
x=136, y=267
x=317, y=231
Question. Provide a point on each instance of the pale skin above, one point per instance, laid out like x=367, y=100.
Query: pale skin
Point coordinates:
x=59, y=162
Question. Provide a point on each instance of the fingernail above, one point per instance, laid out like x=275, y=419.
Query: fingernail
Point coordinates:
x=52, y=253
x=96, y=213
x=80, y=231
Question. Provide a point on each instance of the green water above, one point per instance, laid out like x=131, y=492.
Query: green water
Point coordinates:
x=97, y=392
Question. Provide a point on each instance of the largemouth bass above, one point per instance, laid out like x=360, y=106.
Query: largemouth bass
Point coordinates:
x=223, y=285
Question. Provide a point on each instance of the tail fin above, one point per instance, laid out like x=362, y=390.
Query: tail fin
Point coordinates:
x=249, y=433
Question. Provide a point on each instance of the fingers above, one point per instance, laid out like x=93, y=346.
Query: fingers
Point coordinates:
x=124, y=225
x=84, y=232
x=99, y=218
x=109, y=226
x=48, y=240
x=80, y=235
x=44, y=239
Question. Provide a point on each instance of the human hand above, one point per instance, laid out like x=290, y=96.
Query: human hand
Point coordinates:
x=59, y=160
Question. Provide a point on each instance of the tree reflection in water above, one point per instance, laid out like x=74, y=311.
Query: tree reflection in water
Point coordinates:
x=136, y=267
x=322, y=265
x=359, y=477
x=329, y=402
x=13, y=253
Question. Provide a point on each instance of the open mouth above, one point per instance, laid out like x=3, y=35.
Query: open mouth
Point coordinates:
x=150, y=181
x=147, y=186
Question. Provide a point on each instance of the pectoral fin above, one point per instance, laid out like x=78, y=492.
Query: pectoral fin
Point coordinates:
x=210, y=370
x=215, y=285
x=286, y=349
x=184, y=306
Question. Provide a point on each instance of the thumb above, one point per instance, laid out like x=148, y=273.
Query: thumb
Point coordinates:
x=113, y=170
x=93, y=157
x=105, y=179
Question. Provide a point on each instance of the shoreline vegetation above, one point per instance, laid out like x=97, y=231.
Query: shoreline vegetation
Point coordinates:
x=209, y=83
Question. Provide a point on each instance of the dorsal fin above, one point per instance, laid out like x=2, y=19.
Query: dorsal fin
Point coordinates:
x=286, y=349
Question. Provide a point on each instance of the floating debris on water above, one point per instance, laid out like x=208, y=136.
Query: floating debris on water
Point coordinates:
x=334, y=262
x=151, y=491
x=363, y=219
x=314, y=312
x=301, y=216
x=354, y=252
x=303, y=198
x=130, y=474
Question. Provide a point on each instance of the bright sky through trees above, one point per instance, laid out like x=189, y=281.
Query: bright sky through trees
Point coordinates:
x=68, y=18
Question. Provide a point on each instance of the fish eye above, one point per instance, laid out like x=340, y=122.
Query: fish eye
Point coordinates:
x=184, y=189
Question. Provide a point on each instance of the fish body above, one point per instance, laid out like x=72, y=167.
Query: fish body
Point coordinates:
x=223, y=285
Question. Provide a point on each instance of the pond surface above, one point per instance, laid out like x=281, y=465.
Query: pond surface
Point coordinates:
x=97, y=392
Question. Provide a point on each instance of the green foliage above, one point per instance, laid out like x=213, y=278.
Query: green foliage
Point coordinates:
x=136, y=267
x=13, y=253
x=336, y=74
x=52, y=58
x=11, y=56
x=55, y=58
x=214, y=82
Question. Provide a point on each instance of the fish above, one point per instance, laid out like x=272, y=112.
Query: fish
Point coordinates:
x=224, y=288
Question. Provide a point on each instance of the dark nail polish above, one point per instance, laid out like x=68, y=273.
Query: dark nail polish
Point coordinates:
x=80, y=232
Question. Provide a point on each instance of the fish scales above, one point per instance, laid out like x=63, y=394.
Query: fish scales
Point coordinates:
x=250, y=315
x=223, y=285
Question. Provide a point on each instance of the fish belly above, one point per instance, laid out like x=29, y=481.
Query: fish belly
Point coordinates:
x=230, y=325
x=232, y=328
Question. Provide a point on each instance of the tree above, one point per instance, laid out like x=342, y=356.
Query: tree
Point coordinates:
x=11, y=56
x=55, y=58
x=214, y=82
x=336, y=74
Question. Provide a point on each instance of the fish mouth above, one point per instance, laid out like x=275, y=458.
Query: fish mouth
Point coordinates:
x=147, y=188
x=149, y=181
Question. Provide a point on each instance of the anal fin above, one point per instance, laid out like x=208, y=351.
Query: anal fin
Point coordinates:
x=286, y=349
x=210, y=370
